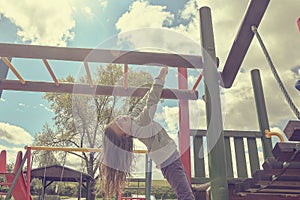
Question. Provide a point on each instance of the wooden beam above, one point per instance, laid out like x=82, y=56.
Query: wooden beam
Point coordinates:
x=13, y=69
x=242, y=41
x=228, y=133
x=287, y=151
x=264, y=178
x=99, y=55
x=291, y=173
x=271, y=163
x=248, y=190
x=292, y=130
x=96, y=90
x=74, y=149
x=50, y=72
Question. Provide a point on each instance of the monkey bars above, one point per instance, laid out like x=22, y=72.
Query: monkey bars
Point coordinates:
x=99, y=55
x=93, y=55
x=75, y=88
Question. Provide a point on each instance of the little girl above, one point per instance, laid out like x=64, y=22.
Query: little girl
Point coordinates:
x=118, y=146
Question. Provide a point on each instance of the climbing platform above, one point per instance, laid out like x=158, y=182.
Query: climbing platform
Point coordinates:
x=280, y=176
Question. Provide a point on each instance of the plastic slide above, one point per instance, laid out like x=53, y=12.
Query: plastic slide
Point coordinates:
x=19, y=191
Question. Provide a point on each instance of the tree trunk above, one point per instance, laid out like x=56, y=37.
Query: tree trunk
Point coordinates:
x=91, y=190
x=91, y=195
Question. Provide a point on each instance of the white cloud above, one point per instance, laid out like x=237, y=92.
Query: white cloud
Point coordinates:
x=14, y=135
x=151, y=32
x=197, y=114
x=190, y=10
x=21, y=104
x=46, y=108
x=41, y=22
x=103, y=3
x=143, y=15
x=237, y=102
x=19, y=110
x=88, y=12
x=172, y=120
x=14, y=139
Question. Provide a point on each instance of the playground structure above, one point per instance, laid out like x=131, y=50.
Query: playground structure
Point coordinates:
x=223, y=185
x=18, y=187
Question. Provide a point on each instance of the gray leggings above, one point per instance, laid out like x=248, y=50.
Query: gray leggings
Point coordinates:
x=177, y=178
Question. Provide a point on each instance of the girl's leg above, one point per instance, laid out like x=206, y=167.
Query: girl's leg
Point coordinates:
x=177, y=178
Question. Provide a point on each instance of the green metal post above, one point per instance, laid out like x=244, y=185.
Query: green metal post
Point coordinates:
x=148, y=177
x=11, y=188
x=261, y=112
x=215, y=135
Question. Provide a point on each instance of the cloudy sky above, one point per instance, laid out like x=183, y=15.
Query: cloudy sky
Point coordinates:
x=156, y=26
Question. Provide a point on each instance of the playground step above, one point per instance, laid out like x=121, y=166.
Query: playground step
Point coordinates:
x=272, y=163
x=286, y=172
x=250, y=186
x=248, y=190
x=287, y=151
x=281, y=178
x=292, y=130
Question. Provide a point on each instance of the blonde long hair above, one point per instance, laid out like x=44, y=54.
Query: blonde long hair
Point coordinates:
x=116, y=161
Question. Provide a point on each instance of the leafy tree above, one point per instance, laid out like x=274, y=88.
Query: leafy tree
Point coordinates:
x=80, y=119
x=45, y=138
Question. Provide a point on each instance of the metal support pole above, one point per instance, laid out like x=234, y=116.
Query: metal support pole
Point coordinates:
x=44, y=189
x=261, y=112
x=215, y=136
x=148, y=177
x=28, y=174
x=184, y=123
x=79, y=189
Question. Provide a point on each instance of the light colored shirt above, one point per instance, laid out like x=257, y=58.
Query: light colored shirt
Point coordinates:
x=159, y=144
